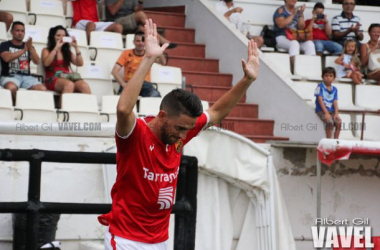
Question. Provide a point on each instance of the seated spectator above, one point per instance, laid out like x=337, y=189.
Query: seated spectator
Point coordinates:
x=57, y=57
x=346, y=25
x=322, y=32
x=326, y=104
x=15, y=62
x=86, y=18
x=131, y=16
x=130, y=60
x=368, y=49
x=349, y=63
x=292, y=17
x=7, y=18
x=233, y=14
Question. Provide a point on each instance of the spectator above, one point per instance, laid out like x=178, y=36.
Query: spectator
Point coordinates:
x=349, y=63
x=130, y=60
x=233, y=14
x=131, y=16
x=57, y=57
x=371, y=47
x=15, y=62
x=326, y=104
x=7, y=18
x=86, y=18
x=322, y=32
x=292, y=17
x=347, y=25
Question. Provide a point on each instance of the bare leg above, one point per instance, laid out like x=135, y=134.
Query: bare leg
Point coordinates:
x=337, y=130
x=329, y=128
x=115, y=27
x=375, y=76
x=63, y=86
x=13, y=88
x=7, y=18
x=82, y=87
x=90, y=26
x=39, y=87
x=292, y=58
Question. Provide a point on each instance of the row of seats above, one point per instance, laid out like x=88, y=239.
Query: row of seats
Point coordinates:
x=38, y=106
x=42, y=12
x=306, y=67
x=366, y=99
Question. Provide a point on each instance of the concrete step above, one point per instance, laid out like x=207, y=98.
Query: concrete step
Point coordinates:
x=194, y=64
x=249, y=126
x=167, y=9
x=165, y=19
x=188, y=50
x=207, y=78
x=211, y=93
x=246, y=110
x=176, y=34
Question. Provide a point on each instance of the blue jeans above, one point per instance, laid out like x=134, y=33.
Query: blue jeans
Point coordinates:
x=147, y=90
x=332, y=47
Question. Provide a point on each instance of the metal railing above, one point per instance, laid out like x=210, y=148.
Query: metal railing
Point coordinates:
x=185, y=207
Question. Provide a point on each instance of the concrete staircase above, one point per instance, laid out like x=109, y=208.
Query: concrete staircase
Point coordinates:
x=204, y=76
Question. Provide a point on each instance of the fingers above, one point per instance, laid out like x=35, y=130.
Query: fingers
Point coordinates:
x=243, y=64
x=154, y=29
x=164, y=46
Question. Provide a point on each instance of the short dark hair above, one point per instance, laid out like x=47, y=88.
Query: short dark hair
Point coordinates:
x=318, y=5
x=17, y=23
x=373, y=25
x=345, y=0
x=328, y=70
x=180, y=101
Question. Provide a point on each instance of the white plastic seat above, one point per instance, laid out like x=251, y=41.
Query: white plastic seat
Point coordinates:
x=347, y=127
x=6, y=107
x=39, y=35
x=345, y=97
x=109, y=106
x=306, y=91
x=205, y=105
x=36, y=106
x=129, y=41
x=149, y=106
x=80, y=107
x=106, y=46
x=98, y=77
x=330, y=62
x=3, y=32
x=167, y=78
x=308, y=67
x=17, y=8
x=282, y=63
x=367, y=97
x=371, y=127
x=47, y=13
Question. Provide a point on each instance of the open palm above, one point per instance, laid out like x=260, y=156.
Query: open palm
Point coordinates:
x=251, y=67
x=152, y=46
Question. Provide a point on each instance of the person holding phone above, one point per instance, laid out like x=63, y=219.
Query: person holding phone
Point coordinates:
x=322, y=32
x=56, y=59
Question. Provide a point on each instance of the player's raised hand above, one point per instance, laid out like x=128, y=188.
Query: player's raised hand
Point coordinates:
x=251, y=67
x=152, y=46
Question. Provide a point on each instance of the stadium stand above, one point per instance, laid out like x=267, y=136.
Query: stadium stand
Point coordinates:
x=166, y=77
x=105, y=46
x=345, y=97
x=330, y=62
x=17, y=8
x=308, y=67
x=81, y=37
x=39, y=35
x=282, y=62
x=129, y=41
x=367, y=97
x=149, y=106
x=3, y=32
x=80, y=107
x=47, y=13
x=109, y=106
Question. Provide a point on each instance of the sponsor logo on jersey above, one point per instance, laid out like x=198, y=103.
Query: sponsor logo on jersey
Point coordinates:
x=160, y=177
x=165, y=198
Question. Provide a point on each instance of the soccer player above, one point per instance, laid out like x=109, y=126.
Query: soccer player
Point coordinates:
x=149, y=152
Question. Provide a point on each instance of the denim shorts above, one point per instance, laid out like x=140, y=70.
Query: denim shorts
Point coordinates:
x=22, y=81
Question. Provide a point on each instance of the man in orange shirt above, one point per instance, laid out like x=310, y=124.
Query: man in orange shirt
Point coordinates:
x=130, y=60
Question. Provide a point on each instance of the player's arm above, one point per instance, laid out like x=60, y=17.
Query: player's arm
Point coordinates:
x=128, y=97
x=227, y=102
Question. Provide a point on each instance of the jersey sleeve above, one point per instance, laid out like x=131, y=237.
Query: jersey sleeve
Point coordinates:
x=318, y=91
x=123, y=142
x=200, y=125
x=336, y=94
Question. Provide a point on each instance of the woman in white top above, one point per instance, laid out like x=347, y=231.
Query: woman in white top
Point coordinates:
x=370, y=48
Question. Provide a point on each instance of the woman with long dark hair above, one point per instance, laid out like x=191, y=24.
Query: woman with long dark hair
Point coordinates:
x=369, y=48
x=57, y=58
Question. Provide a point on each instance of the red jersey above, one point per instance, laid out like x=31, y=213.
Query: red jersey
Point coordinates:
x=143, y=194
x=319, y=30
x=85, y=10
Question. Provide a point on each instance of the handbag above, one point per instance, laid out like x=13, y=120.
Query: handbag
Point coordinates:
x=299, y=35
x=374, y=60
x=71, y=76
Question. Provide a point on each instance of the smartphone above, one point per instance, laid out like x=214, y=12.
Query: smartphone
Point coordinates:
x=67, y=39
x=320, y=16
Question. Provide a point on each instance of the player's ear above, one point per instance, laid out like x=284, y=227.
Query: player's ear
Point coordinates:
x=162, y=114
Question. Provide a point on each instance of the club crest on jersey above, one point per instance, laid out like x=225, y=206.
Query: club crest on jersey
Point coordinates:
x=165, y=198
x=178, y=146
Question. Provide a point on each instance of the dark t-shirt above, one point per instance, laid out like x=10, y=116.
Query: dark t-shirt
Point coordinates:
x=127, y=8
x=282, y=12
x=20, y=65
